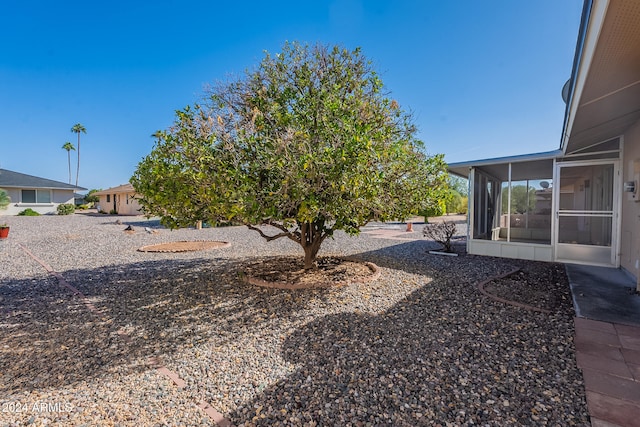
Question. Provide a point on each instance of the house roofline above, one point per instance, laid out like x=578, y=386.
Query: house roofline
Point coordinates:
x=546, y=155
x=25, y=181
x=591, y=22
x=124, y=188
x=42, y=187
x=582, y=33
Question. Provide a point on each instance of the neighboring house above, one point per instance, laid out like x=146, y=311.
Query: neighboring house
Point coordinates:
x=78, y=199
x=40, y=194
x=586, y=202
x=122, y=200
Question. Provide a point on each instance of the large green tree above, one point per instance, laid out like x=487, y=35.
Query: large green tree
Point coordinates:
x=69, y=146
x=78, y=129
x=307, y=143
x=523, y=199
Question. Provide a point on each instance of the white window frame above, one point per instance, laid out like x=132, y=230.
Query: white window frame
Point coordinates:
x=37, y=202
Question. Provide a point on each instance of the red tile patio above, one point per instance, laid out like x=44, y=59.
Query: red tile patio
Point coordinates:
x=609, y=356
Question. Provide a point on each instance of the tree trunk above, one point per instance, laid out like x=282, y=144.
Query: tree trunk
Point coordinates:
x=69, y=162
x=311, y=237
x=310, y=255
x=78, y=168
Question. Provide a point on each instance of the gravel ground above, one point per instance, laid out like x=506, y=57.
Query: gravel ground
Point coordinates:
x=419, y=346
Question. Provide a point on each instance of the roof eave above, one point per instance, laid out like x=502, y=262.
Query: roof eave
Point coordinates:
x=591, y=22
x=462, y=168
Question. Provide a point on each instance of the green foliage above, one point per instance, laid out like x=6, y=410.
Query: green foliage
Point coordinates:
x=459, y=185
x=439, y=208
x=66, y=209
x=28, y=212
x=4, y=199
x=464, y=206
x=113, y=212
x=456, y=203
x=307, y=143
x=90, y=198
x=521, y=200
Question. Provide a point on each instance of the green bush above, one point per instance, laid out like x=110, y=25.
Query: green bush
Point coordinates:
x=437, y=209
x=457, y=203
x=28, y=212
x=113, y=212
x=464, y=205
x=90, y=198
x=66, y=209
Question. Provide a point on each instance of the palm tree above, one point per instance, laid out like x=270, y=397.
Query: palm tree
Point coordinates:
x=78, y=128
x=69, y=146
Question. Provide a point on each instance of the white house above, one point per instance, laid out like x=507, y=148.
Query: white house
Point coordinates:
x=40, y=194
x=122, y=200
x=579, y=203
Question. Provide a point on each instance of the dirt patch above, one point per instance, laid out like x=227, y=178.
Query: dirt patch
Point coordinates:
x=538, y=284
x=288, y=273
x=184, y=246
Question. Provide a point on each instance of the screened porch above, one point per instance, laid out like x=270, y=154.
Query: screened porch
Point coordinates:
x=511, y=206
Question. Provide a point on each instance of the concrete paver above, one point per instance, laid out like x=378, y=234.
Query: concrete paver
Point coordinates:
x=607, y=340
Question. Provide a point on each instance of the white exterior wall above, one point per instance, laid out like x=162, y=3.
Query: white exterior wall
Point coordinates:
x=57, y=197
x=530, y=251
x=630, y=236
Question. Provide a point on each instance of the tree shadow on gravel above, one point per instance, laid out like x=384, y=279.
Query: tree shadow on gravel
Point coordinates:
x=413, y=257
x=440, y=356
x=149, y=309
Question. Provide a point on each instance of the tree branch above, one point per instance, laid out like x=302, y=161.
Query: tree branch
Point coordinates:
x=282, y=228
x=267, y=237
x=293, y=235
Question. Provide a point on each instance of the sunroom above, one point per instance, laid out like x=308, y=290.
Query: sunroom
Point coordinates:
x=546, y=206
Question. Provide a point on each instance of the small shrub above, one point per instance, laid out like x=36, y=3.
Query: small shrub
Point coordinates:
x=441, y=232
x=28, y=212
x=103, y=212
x=113, y=212
x=4, y=199
x=66, y=209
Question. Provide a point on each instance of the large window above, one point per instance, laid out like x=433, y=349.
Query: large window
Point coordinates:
x=36, y=196
x=512, y=202
x=526, y=211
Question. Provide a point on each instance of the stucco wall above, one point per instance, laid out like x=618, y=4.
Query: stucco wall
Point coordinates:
x=125, y=204
x=128, y=205
x=630, y=239
x=57, y=197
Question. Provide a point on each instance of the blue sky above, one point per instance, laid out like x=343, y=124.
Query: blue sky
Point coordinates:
x=482, y=78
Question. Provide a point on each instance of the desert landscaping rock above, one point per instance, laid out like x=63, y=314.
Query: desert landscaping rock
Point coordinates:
x=184, y=246
x=420, y=345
